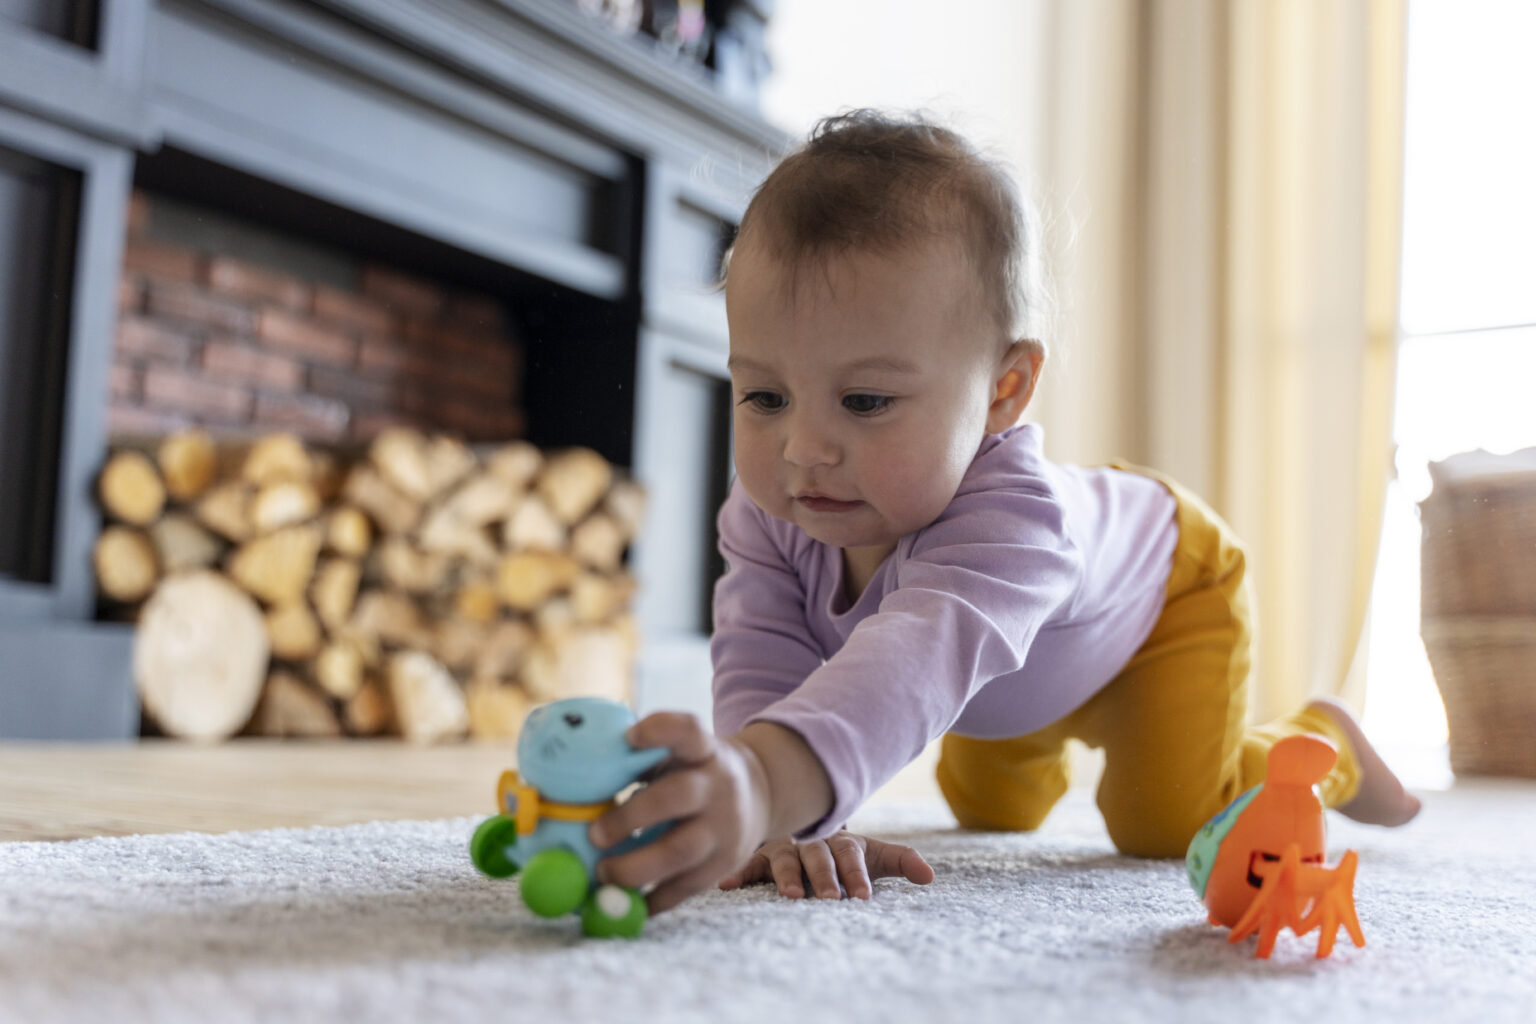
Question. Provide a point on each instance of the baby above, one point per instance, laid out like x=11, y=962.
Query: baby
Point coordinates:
x=905, y=564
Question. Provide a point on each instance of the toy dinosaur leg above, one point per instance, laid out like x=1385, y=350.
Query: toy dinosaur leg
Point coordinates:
x=554, y=882
x=1274, y=906
x=1336, y=906
x=491, y=846
x=612, y=912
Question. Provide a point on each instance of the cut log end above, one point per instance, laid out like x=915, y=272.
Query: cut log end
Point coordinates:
x=292, y=632
x=369, y=712
x=339, y=670
x=200, y=656
x=126, y=564
x=284, y=503
x=496, y=710
x=277, y=458
x=347, y=532
x=188, y=462
x=291, y=707
x=278, y=567
x=226, y=510
x=573, y=481
x=131, y=489
x=429, y=705
x=183, y=544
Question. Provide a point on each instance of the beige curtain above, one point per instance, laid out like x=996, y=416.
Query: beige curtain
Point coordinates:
x=1222, y=186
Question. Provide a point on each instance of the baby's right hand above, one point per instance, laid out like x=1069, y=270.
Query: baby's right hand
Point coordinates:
x=843, y=862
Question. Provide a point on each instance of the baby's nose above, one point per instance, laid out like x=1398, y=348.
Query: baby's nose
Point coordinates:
x=808, y=446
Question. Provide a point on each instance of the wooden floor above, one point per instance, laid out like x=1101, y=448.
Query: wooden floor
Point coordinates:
x=69, y=791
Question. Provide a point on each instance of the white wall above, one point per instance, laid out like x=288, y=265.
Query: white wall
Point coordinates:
x=975, y=66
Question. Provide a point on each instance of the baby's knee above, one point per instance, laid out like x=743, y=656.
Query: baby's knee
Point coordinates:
x=999, y=818
x=1152, y=842
x=982, y=804
x=1154, y=831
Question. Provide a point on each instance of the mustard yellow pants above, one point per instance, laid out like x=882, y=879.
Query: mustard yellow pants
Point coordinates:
x=1172, y=724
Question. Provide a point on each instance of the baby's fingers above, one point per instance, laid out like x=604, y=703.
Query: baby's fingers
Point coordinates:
x=673, y=855
x=892, y=860
x=788, y=874
x=679, y=795
x=820, y=869
x=673, y=891
x=755, y=870
x=690, y=741
x=849, y=856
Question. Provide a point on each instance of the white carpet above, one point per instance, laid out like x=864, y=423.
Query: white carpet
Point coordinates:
x=389, y=922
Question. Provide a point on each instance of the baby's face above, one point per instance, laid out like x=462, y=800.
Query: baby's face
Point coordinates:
x=861, y=394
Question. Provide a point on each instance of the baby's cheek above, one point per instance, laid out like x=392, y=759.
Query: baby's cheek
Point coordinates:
x=918, y=490
x=754, y=466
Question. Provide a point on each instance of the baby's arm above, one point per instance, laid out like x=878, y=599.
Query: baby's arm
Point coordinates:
x=724, y=796
x=728, y=794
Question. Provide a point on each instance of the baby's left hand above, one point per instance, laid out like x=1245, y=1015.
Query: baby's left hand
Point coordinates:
x=843, y=862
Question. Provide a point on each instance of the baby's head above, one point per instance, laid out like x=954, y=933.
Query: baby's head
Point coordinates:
x=883, y=305
x=868, y=182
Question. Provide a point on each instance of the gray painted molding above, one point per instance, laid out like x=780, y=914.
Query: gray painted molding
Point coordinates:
x=97, y=92
x=106, y=172
x=67, y=680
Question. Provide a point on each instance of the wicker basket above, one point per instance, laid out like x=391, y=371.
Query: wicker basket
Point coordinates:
x=1478, y=608
x=1485, y=667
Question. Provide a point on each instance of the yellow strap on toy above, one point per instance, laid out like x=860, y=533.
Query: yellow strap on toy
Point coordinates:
x=525, y=807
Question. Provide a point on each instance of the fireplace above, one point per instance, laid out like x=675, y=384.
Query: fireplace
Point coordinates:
x=488, y=217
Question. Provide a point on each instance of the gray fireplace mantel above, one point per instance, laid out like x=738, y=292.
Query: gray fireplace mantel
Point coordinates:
x=520, y=132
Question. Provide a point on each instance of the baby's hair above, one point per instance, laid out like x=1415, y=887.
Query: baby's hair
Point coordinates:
x=876, y=182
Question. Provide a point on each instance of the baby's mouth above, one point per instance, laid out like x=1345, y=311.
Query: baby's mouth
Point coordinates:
x=822, y=503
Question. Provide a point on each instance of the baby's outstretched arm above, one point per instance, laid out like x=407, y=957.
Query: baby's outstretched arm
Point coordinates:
x=725, y=797
x=842, y=862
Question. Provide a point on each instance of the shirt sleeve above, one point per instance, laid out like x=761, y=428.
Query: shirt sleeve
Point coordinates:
x=762, y=647
x=969, y=599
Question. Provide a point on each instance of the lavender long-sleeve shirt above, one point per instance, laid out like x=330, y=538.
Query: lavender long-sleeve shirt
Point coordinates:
x=1026, y=596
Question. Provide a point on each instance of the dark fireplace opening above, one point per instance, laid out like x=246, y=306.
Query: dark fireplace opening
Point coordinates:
x=37, y=200
x=70, y=21
x=562, y=375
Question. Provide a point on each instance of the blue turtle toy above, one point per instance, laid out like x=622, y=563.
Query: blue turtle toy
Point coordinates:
x=573, y=760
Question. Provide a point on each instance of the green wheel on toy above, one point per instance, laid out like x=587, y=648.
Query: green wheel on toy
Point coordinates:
x=554, y=882
x=612, y=912
x=488, y=846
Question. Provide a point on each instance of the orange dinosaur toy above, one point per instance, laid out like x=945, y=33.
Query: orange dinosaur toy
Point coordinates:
x=1258, y=865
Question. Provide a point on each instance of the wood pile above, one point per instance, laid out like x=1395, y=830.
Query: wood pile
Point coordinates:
x=422, y=588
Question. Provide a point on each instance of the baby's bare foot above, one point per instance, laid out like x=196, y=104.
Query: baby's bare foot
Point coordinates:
x=1381, y=799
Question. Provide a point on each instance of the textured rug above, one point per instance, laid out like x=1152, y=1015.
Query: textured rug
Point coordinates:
x=388, y=922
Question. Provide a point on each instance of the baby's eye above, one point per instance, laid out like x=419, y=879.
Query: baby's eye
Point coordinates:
x=763, y=401
x=866, y=405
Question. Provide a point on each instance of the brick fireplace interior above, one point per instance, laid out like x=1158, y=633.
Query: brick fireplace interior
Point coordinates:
x=245, y=307
x=230, y=326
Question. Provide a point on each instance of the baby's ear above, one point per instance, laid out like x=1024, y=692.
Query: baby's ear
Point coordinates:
x=1014, y=384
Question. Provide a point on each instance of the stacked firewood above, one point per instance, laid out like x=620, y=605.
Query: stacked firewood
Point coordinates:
x=421, y=587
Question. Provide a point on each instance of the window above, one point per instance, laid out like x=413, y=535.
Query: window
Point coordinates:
x=1468, y=355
